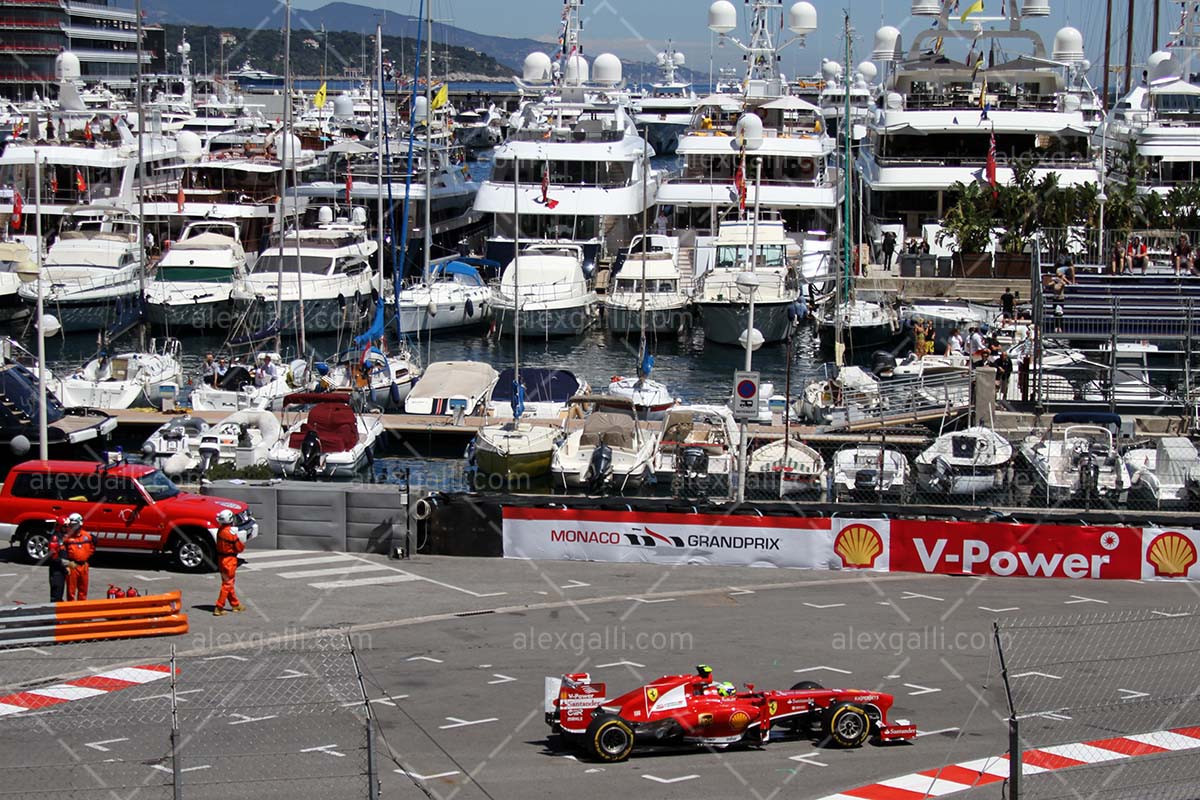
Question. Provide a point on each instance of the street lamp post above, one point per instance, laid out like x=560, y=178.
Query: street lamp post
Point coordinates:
x=43, y=444
x=748, y=282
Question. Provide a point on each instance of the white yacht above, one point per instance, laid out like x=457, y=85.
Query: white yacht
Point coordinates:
x=665, y=111
x=247, y=385
x=547, y=393
x=328, y=440
x=92, y=274
x=189, y=444
x=969, y=462
x=194, y=279
x=610, y=448
x=958, y=84
x=870, y=472
x=648, y=281
x=697, y=451
x=13, y=256
x=786, y=468
x=328, y=267
x=585, y=176
x=1076, y=459
x=836, y=83
x=452, y=387
x=247, y=75
x=554, y=298
x=866, y=325
x=1166, y=473
x=122, y=380
x=453, y=296
x=723, y=292
x=384, y=379
x=479, y=129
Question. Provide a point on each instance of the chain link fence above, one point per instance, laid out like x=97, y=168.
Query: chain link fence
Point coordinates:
x=284, y=720
x=1104, y=706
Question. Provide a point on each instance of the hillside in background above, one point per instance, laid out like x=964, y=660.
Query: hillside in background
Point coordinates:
x=263, y=47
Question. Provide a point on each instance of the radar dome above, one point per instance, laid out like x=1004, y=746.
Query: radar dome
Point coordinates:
x=66, y=67
x=749, y=131
x=606, y=69
x=722, y=17
x=1161, y=66
x=343, y=107
x=868, y=70
x=887, y=44
x=802, y=18
x=926, y=8
x=324, y=215
x=679, y=59
x=661, y=59
x=830, y=70
x=420, y=109
x=537, y=68
x=189, y=146
x=293, y=148
x=50, y=325
x=577, y=69
x=183, y=48
x=1035, y=8
x=1068, y=45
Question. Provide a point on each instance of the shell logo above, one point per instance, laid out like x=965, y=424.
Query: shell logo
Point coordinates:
x=651, y=694
x=859, y=546
x=1172, y=555
x=738, y=720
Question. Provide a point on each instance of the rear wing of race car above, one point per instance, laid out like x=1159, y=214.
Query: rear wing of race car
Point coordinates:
x=570, y=701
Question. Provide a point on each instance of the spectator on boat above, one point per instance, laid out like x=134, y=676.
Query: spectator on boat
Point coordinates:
x=265, y=373
x=1008, y=305
x=1185, y=258
x=954, y=343
x=1064, y=267
x=209, y=370
x=918, y=332
x=889, y=248
x=1136, y=254
x=977, y=347
x=1000, y=361
x=149, y=242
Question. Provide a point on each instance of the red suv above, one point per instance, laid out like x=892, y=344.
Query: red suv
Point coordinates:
x=125, y=506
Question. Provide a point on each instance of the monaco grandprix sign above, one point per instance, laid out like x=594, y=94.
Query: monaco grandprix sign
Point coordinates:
x=667, y=538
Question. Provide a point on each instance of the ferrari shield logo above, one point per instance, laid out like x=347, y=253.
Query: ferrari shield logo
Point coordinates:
x=772, y=707
x=651, y=694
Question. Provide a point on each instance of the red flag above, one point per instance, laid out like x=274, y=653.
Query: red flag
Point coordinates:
x=53, y=183
x=180, y=198
x=546, y=201
x=739, y=183
x=18, y=126
x=18, y=207
x=87, y=130
x=991, y=167
x=80, y=183
x=349, y=184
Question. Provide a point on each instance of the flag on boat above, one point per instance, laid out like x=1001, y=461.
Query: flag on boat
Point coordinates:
x=441, y=97
x=319, y=97
x=739, y=182
x=180, y=198
x=80, y=183
x=18, y=207
x=87, y=130
x=53, y=183
x=349, y=183
x=974, y=8
x=991, y=167
x=546, y=201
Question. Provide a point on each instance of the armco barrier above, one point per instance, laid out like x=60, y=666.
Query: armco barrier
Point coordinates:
x=1001, y=549
x=87, y=620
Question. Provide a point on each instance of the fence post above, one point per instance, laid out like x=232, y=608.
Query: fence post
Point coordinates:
x=1112, y=356
x=176, y=767
x=1014, y=738
x=1189, y=407
x=372, y=776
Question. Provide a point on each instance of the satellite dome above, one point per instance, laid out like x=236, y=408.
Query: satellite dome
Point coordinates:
x=293, y=148
x=831, y=70
x=868, y=70
x=359, y=215
x=66, y=67
x=1035, y=8
x=343, y=107
x=1161, y=66
x=536, y=68
x=894, y=101
x=606, y=69
x=189, y=146
x=722, y=17
x=50, y=325
x=577, y=69
x=183, y=48
x=324, y=215
x=802, y=18
x=679, y=59
x=887, y=45
x=926, y=8
x=1068, y=45
x=661, y=59
x=749, y=132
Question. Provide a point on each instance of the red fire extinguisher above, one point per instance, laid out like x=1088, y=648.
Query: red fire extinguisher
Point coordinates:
x=131, y=592
x=115, y=592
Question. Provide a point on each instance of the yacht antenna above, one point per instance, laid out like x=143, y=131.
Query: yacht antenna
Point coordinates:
x=571, y=41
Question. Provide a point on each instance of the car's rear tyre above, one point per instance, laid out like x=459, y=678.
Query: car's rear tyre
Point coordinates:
x=35, y=544
x=846, y=725
x=192, y=551
x=806, y=686
x=608, y=738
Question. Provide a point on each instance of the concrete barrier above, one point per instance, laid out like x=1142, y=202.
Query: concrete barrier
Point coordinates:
x=339, y=517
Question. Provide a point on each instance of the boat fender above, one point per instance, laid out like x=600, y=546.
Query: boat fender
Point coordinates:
x=394, y=394
x=470, y=308
x=341, y=301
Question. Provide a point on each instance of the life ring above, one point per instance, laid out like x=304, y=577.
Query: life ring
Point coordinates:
x=616, y=379
x=807, y=165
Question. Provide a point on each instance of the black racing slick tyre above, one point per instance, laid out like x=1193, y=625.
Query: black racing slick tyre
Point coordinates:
x=846, y=725
x=608, y=738
x=805, y=686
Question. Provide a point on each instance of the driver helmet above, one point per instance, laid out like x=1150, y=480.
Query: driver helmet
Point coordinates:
x=726, y=689
x=225, y=517
x=74, y=522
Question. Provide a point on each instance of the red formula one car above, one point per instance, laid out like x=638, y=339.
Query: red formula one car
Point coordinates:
x=694, y=710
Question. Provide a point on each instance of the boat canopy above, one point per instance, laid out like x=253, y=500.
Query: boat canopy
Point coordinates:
x=460, y=269
x=541, y=385
x=1087, y=418
x=450, y=378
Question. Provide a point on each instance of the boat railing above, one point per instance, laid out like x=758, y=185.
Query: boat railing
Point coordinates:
x=57, y=286
x=541, y=292
x=902, y=400
x=977, y=160
x=957, y=100
x=567, y=135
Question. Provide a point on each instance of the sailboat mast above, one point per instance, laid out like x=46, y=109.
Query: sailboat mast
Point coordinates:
x=141, y=114
x=1107, y=50
x=642, y=352
x=848, y=203
x=516, y=273
x=1129, y=48
x=428, y=131
x=287, y=121
x=282, y=149
x=379, y=153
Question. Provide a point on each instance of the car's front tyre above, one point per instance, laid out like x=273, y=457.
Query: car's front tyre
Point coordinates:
x=192, y=551
x=846, y=725
x=609, y=738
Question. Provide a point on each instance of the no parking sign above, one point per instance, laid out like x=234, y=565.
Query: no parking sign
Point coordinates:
x=745, y=396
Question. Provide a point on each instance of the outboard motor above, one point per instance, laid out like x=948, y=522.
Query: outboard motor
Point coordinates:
x=310, y=455
x=210, y=453
x=599, y=468
x=694, y=461
x=1089, y=476
x=883, y=363
x=941, y=474
x=866, y=480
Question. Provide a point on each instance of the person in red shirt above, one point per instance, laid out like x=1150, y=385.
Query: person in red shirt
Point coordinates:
x=229, y=545
x=1137, y=254
x=54, y=561
x=78, y=547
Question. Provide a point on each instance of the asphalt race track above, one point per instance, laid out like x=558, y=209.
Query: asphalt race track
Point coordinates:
x=454, y=652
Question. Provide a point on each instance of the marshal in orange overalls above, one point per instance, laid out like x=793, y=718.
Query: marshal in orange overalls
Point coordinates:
x=229, y=545
x=78, y=547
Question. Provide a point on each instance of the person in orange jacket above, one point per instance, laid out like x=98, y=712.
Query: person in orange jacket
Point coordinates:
x=229, y=545
x=78, y=547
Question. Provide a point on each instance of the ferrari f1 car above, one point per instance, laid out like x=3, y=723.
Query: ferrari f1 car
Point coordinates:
x=694, y=710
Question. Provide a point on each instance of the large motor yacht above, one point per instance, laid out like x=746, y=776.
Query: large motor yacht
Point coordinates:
x=665, y=111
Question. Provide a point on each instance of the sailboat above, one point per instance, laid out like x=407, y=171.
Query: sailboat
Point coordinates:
x=515, y=448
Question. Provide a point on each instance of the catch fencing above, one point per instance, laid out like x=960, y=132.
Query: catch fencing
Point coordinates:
x=1103, y=707
x=284, y=721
